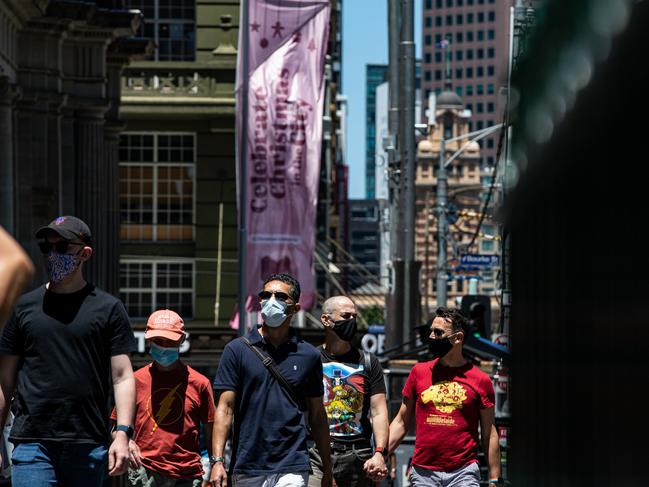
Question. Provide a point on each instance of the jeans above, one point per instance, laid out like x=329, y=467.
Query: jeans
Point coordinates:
x=272, y=480
x=347, y=467
x=58, y=463
x=467, y=476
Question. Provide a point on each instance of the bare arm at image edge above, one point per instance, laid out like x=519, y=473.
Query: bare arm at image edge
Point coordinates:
x=490, y=444
x=124, y=391
x=16, y=270
x=401, y=423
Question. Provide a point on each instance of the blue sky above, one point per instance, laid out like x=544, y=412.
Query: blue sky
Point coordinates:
x=365, y=41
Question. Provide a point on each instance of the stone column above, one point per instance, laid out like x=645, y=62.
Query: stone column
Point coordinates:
x=91, y=192
x=7, y=97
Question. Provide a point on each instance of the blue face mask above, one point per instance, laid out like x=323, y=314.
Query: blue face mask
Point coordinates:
x=273, y=312
x=163, y=355
x=60, y=266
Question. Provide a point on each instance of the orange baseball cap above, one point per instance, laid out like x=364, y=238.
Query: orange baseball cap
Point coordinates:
x=166, y=324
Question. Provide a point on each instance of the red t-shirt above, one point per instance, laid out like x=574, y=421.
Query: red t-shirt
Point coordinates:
x=170, y=406
x=448, y=404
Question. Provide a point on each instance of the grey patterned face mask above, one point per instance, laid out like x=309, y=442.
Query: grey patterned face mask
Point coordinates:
x=60, y=266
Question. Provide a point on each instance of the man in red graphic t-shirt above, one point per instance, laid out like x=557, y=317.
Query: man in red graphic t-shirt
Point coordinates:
x=172, y=401
x=448, y=397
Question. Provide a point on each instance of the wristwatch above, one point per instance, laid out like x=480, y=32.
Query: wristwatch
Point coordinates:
x=498, y=481
x=214, y=460
x=126, y=429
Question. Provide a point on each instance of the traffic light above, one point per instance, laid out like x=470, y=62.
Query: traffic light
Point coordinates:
x=477, y=308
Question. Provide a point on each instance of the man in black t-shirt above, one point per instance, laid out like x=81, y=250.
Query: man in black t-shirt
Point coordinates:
x=64, y=344
x=354, y=390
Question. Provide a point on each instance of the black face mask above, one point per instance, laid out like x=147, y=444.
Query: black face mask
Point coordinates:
x=440, y=346
x=345, y=329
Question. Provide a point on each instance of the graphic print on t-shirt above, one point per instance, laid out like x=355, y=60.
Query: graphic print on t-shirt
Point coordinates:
x=446, y=396
x=343, y=398
x=165, y=407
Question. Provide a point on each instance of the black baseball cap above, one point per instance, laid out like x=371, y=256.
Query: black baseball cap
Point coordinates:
x=67, y=227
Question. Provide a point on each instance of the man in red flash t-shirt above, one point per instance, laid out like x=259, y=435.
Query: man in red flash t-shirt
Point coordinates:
x=449, y=397
x=172, y=401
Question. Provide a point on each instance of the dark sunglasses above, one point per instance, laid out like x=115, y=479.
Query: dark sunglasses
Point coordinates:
x=60, y=247
x=279, y=295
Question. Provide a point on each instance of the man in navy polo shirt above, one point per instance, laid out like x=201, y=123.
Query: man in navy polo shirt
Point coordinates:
x=269, y=447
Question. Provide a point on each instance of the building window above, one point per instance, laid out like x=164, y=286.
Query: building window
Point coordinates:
x=479, y=125
x=458, y=37
x=469, y=18
x=469, y=53
x=438, y=4
x=438, y=38
x=438, y=21
x=491, y=53
x=469, y=89
x=428, y=58
x=469, y=106
x=459, y=3
x=469, y=36
x=479, y=89
x=458, y=89
x=427, y=75
x=449, y=20
x=458, y=55
x=438, y=74
x=479, y=107
x=429, y=21
x=480, y=17
x=491, y=34
x=491, y=16
x=490, y=89
x=469, y=2
x=449, y=3
x=458, y=73
x=438, y=57
x=480, y=53
x=156, y=186
x=428, y=40
x=146, y=286
x=490, y=107
x=171, y=24
x=469, y=72
x=480, y=35
x=490, y=70
x=458, y=19
x=479, y=71
x=490, y=144
x=429, y=4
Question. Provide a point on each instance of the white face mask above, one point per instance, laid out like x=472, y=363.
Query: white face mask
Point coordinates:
x=273, y=312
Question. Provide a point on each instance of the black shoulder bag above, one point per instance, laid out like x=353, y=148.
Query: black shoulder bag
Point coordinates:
x=269, y=363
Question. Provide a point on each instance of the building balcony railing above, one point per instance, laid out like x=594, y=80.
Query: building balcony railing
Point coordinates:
x=178, y=79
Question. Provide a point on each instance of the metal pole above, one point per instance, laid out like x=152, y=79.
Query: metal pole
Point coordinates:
x=442, y=229
x=243, y=161
x=408, y=165
x=217, y=300
x=395, y=300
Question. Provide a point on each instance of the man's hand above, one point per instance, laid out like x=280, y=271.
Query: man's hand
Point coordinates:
x=218, y=475
x=118, y=455
x=135, y=457
x=375, y=467
x=327, y=479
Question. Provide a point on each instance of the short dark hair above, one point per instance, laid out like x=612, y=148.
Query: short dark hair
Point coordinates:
x=294, y=290
x=455, y=316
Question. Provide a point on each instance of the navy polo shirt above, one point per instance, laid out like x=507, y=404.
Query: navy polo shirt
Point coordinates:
x=270, y=432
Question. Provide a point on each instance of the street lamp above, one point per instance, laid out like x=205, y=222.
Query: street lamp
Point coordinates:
x=442, y=191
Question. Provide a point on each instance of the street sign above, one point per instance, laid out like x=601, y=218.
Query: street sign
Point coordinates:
x=481, y=260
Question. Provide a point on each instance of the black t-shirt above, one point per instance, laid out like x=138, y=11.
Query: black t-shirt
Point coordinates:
x=348, y=389
x=65, y=342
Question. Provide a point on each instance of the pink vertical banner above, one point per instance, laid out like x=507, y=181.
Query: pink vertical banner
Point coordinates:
x=288, y=44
